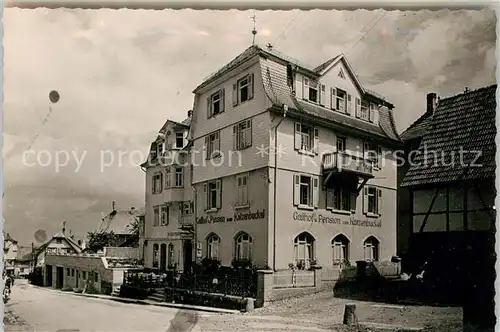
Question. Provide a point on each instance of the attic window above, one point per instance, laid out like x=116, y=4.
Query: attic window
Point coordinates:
x=341, y=73
x=58, y=241
x=179, y=140
x=313, y=92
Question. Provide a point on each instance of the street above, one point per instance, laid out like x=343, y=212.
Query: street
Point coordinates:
x=33, y=308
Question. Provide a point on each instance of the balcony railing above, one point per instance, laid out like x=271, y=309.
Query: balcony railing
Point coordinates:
x=186, y=220
x=343, y=162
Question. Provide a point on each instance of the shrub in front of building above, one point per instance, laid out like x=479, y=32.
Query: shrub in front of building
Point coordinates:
x=203, y=299
x=36, y=277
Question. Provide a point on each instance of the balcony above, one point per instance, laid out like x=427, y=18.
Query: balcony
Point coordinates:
x=341, y=162
x=186, y=220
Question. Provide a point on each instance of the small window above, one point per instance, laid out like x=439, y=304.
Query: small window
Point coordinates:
x=72, y=272
x=372, y=200
x=187, y=208
x=155, y=255
x=156, y=219
x=243, y=90
x=68, y=272
x=179, y=177
x=307, y=137
x=313, y=92
x=365, y=112
x=212, y=195
x=341, y=144
x=213, y=145
x=216, y=103
x=157, y=183
x=242, y=190
x=171, y=255
x=179, y=140
x=242, y=135
x=373, y=153
x=84, y=274
x=371, y=249
x=165, y=215
x=340, y=246
x=243, y=247
x=213, y=243
x=339, y=198
x=96, y=277
x=341, y=101
x=305, y=190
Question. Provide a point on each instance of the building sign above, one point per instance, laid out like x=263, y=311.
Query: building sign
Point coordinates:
x=237, y=217
x=322, y=219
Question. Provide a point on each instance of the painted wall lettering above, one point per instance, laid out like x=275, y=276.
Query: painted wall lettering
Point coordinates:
x=237, y=217
x=322, y=219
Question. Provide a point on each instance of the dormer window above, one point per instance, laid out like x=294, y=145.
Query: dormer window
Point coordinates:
x=313, y=92
x=243, y=90
x=179, y=140
x=340, y=104
x=365, y=112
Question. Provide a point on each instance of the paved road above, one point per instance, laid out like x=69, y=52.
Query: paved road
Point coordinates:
x=47, y=310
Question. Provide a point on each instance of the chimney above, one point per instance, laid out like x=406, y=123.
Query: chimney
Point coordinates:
x=431, y=103
x=466, y=89
x=190, y=113
x=132, y=209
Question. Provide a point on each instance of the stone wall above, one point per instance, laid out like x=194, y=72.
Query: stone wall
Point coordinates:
x=122, y=252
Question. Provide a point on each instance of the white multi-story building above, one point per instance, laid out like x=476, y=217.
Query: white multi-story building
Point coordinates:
x=289, y=164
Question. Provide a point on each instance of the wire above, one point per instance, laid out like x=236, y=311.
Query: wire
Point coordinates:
x=367, y=32
x=283, y=33
x=40, y=128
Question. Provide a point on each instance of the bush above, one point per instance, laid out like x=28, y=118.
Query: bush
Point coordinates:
x=134, y=292
x=36, y=277
x=217, y=301
x=210, y=265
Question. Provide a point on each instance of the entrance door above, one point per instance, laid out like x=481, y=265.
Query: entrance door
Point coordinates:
x=59, y=277
x=188, y=255
x=163, y=257
x=48, y=270
x=77, y=278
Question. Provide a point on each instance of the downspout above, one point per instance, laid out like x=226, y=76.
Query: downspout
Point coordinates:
x=285, y=108
x=195, y=208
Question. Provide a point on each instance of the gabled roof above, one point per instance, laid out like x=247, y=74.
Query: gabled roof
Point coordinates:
x=465, y=122
x=8, y=238
x=119, y=222
x=274, y=77
x=61, y=236
x=418, y=128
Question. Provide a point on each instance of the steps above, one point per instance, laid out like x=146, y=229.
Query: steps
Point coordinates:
x=158, y=295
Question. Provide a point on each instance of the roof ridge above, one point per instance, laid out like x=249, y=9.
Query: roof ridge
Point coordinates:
x=467, y=92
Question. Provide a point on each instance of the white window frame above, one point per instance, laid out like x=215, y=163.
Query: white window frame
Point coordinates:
x=365, y=110
x=304, y=246
x=313, y=86
x=156, y=216
x=341, y=101
x=373, y=153
x=213, y=187
x=170, y=255
x=168, y=177
x=187, y=208
x=213, y=244
x=312, y=191
x=212, y=142
x=242, y=84
x=242, y=135
x=242, y=190
x=243, y=247
x=215, y=97
x=342, y=142
x=157, y=183
x=340, y=248
x=306, y=188
x=372, y=194
x=371, y=249
x=179, y=176
x=164, y=215
x=338, y=196
x=179, y=135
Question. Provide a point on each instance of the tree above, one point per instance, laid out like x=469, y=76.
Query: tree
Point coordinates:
x=134, y=227
x=99, y=240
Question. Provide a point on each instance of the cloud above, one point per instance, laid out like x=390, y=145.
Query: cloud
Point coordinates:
x=120, y=82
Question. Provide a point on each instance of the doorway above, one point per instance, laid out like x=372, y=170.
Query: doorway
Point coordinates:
x=188, y=255
x=163, y=257
x=59, y=277
x=48, y=276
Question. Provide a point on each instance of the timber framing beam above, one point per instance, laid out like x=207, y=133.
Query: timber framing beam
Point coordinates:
x=360, y=187
x=429, y=211
x=487, y=208
x=327, y=179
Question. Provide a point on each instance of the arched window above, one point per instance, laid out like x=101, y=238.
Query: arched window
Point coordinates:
x=243, y=247
x=155, y=255
x=304, y=248
x=171, y=256
x=371, y=249
x=340, y=246
x=213, y=242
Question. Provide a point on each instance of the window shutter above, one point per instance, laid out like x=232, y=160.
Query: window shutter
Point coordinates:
x=358, y=108
x=379, y=201
x=316, y=140
x=249, y=128
x=153, y=183
x=296, y=189
x=379, y=157
x=366, y=150
x=348, y=104
x=354, y=197
x=161, y=182
x=219, y=193
x=372, y=112
x=217, y=138
x=298, y=138
x=235, y=137
x=322, y=95
x=334, y=98
x=223, y=100
x=329, y=199
x=365, y=200
x=235, y=95
x=209, y=113
x=298, y=86
x=205, y=195
x=250, y=86
x=207, y=146
x=305, y=91
x=315, y=191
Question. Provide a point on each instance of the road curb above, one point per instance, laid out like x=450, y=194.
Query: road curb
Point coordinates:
x=144, y=302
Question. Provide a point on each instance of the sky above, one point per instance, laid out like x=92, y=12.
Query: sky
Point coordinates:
x=122, y=73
